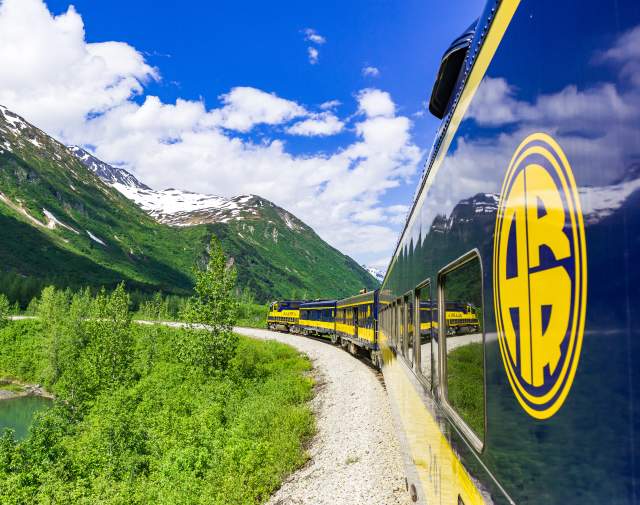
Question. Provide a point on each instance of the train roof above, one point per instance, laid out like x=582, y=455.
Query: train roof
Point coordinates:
x=369, y=296
x=318, y=304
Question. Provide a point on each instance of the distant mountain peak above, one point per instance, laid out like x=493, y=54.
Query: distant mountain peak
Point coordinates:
x=108, y=173
x=375, y=272
x=177, y=207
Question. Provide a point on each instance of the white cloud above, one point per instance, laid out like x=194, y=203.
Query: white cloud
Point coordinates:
x=313, y=36
x=369, y=71
x=246, y=107
x=322, y=124
x=314, y=55
x=56, y=78
x=374, y=102
x=597, y=126
x=82, y=93
x=494, y=104
x=625, y=54
x=331, y=104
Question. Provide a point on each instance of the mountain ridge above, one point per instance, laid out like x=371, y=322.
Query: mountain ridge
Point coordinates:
x=64, y=225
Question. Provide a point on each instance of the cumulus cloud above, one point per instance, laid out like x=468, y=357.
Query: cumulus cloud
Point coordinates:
x=314, y=55
x=625, y=54
x=495, y=104
x=374, y=102
x=313, y=36
x=596, y=125
x=321, y=124
x=55, y=77
x=84, y=94
x=310, y=35
x=331, y=104
x=369, y=71
x=246, y=107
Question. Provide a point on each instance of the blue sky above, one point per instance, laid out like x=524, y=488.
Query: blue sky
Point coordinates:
x=196, y=52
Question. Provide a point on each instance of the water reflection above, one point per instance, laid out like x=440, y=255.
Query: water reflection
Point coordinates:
x=17, y=413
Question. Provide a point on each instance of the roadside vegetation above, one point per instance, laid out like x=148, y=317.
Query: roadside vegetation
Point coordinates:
x=151, y=414
x=250, y=314
x=465, y=383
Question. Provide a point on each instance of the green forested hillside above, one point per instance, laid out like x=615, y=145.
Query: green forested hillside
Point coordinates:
x=60, y=224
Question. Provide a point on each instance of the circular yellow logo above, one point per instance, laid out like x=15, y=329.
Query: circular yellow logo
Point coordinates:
x=540, y=275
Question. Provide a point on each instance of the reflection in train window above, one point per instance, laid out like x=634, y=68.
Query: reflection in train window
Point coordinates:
x=408, y=311
x=391, y=324
x=401, y=326
x=425, y=318
x=462, y=296
x=394, y=332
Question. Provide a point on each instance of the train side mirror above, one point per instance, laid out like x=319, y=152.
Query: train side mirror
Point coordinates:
x=448, y=73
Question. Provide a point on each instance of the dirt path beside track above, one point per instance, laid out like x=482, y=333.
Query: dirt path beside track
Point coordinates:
x=355, y=456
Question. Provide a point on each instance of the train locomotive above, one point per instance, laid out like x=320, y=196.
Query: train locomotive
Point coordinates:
x=505, y=324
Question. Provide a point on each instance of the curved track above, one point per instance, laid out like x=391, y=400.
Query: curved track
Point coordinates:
x=355, y=456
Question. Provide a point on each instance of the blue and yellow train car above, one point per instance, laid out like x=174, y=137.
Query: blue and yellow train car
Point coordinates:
x=527, y=219
x=356, y=323
x=284, y=315
x=319, y=318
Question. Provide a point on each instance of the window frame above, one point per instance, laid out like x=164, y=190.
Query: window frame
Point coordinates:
x=473, y=438
x=427, y=382
x=406, y=304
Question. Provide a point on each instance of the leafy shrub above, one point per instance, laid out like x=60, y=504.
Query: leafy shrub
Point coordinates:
x=211, y=314
x=134, y=422
x=5, y=310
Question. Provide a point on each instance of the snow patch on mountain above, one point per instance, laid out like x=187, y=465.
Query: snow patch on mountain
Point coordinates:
x=108, y=173
x=94, y=238
x=53, y=222
x=185, y=208
x=601, y=201
x=375, y=272
x=171, y=201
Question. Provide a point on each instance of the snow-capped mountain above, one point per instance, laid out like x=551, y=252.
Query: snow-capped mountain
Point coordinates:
x=378, y=274
x=176, y=207
x=70, y=219
x=185, y=208
x=109, y=174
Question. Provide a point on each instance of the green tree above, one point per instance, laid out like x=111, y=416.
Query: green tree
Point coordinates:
x=109, y=353
x=211, y=313
x=52, y=311
x=5, y=310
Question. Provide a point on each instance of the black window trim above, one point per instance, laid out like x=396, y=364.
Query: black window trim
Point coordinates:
x=451, y=412
x=406, y=303
x=425, y=381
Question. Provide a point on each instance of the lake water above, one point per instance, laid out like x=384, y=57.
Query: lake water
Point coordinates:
x=17, y=413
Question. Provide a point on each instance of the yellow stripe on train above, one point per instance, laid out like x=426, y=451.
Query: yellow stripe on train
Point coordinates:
x=317, y=324
x=442, y=476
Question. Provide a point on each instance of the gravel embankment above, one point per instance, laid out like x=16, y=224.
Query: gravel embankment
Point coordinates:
x=355, y=456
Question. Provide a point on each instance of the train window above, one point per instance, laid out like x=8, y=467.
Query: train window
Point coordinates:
x=396, y=329
x=462, y=335
x=425, y=312
x=408, y=315
x=400, y=326
x=392, y=324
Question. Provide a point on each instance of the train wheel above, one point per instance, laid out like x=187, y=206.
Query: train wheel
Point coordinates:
x=334, y=338
x=352, y=348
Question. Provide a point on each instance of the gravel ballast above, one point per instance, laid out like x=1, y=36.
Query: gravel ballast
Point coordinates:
x=355, y=456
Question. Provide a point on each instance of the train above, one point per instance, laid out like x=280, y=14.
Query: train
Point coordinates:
x=505, y=324
x=353, y=322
